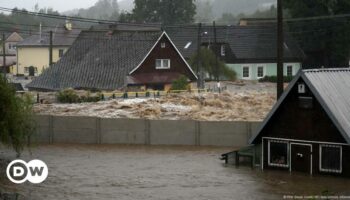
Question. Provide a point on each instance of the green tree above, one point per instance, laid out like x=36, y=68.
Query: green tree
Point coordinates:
x=326, y=42
x=208, y=61
x=180, y=84
x=163, y=11
x=16, y=122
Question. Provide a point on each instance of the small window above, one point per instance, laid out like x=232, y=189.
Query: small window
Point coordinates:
x=187, y=45
x=289, y=70
x=246, y=72
x=278, y=153
x=26, y=69
x=162, y=63
x=301, y=88
x=162, y=45
x=330, y=158
x=60, y=53
x=260, y=72
x=10, y=46
x=306, y=102
x=222, y=50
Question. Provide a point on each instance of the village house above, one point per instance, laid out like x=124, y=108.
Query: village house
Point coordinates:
x=34, y=51
x=115, y=60
x=308, y=129
x=249, y=50
x=11, y=41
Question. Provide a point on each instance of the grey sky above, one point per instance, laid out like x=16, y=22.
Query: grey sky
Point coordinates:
x=60, y=5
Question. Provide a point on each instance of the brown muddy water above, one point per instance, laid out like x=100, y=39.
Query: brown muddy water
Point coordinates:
x=160, y=172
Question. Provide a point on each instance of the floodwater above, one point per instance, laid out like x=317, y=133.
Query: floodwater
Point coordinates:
x=161, y=172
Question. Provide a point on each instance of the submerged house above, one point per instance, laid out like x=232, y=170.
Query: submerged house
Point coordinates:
x=308, y=129
x=114, y=60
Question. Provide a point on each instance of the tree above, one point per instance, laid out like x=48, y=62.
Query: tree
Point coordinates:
x=326, y=42
x=163, y=11
x=16, y=123
x=208, y=61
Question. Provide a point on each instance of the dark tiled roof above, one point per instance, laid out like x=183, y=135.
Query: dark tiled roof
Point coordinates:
x=331, y=88
x=97, y=61
x=245, y=42
x=61, y=37
x=17, y=86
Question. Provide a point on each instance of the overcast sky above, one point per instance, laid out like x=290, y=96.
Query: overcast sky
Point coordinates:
x=60, y=5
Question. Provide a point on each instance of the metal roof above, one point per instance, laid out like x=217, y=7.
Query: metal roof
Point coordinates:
x=61, y=37
x=331, y=88
x=245, y=42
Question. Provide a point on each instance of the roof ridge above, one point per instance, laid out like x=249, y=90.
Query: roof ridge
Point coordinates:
x=326, y=70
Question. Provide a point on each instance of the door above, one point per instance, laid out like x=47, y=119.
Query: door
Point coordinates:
x=301, y=157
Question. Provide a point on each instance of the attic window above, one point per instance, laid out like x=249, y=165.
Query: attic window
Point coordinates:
x=301, y=88
x=187, y=45
x=162, y=45
x=162, y=63
x=306, y=102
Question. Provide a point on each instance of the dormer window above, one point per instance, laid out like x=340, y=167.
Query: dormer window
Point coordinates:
x=162, y=63
x=162, y=45
x=222, y=50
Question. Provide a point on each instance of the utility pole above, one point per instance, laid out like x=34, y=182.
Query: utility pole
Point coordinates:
x=216, y=54
x=4, y=55
x=50, y=50
x=279, y=49
x=199, y=63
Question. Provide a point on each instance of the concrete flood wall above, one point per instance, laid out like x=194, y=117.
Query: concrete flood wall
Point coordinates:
x=93, y=130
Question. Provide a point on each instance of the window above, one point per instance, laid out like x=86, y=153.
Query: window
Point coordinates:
x=26, y=70
x=162, y=45
x=187, y=45
x=278, y=153
x=222, y=50
x=60, y=53
x=260, y=71
x=246, y=72
x=10, y=46
x=289, y=70
x=306, y=102
x=162, y=63
x=330, y=158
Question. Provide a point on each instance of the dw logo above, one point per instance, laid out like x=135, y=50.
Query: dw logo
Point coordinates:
x=35, y=171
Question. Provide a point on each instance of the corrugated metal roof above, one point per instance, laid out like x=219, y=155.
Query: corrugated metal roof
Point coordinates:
x=331, y=88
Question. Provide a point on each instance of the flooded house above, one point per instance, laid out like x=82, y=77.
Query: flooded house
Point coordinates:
x=308, y=129
x=117, y=60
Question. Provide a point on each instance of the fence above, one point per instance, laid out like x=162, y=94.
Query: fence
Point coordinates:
x=93, y=130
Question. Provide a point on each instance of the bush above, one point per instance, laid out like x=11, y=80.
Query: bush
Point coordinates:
x=16, y=121
x=68, y=96
x=180, y=83
x=273, y=79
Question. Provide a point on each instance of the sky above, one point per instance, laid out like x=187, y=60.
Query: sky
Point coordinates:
x=60, y=5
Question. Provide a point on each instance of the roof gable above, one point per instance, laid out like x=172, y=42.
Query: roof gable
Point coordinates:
x=164, y=34
x=331, y=87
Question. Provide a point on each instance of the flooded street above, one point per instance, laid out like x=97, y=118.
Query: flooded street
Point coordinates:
x=161, y=172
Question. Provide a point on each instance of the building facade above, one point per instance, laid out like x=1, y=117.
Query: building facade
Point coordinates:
x=34, y=52
x=308, y=129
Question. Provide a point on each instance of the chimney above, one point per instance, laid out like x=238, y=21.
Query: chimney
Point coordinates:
x=68, y=25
